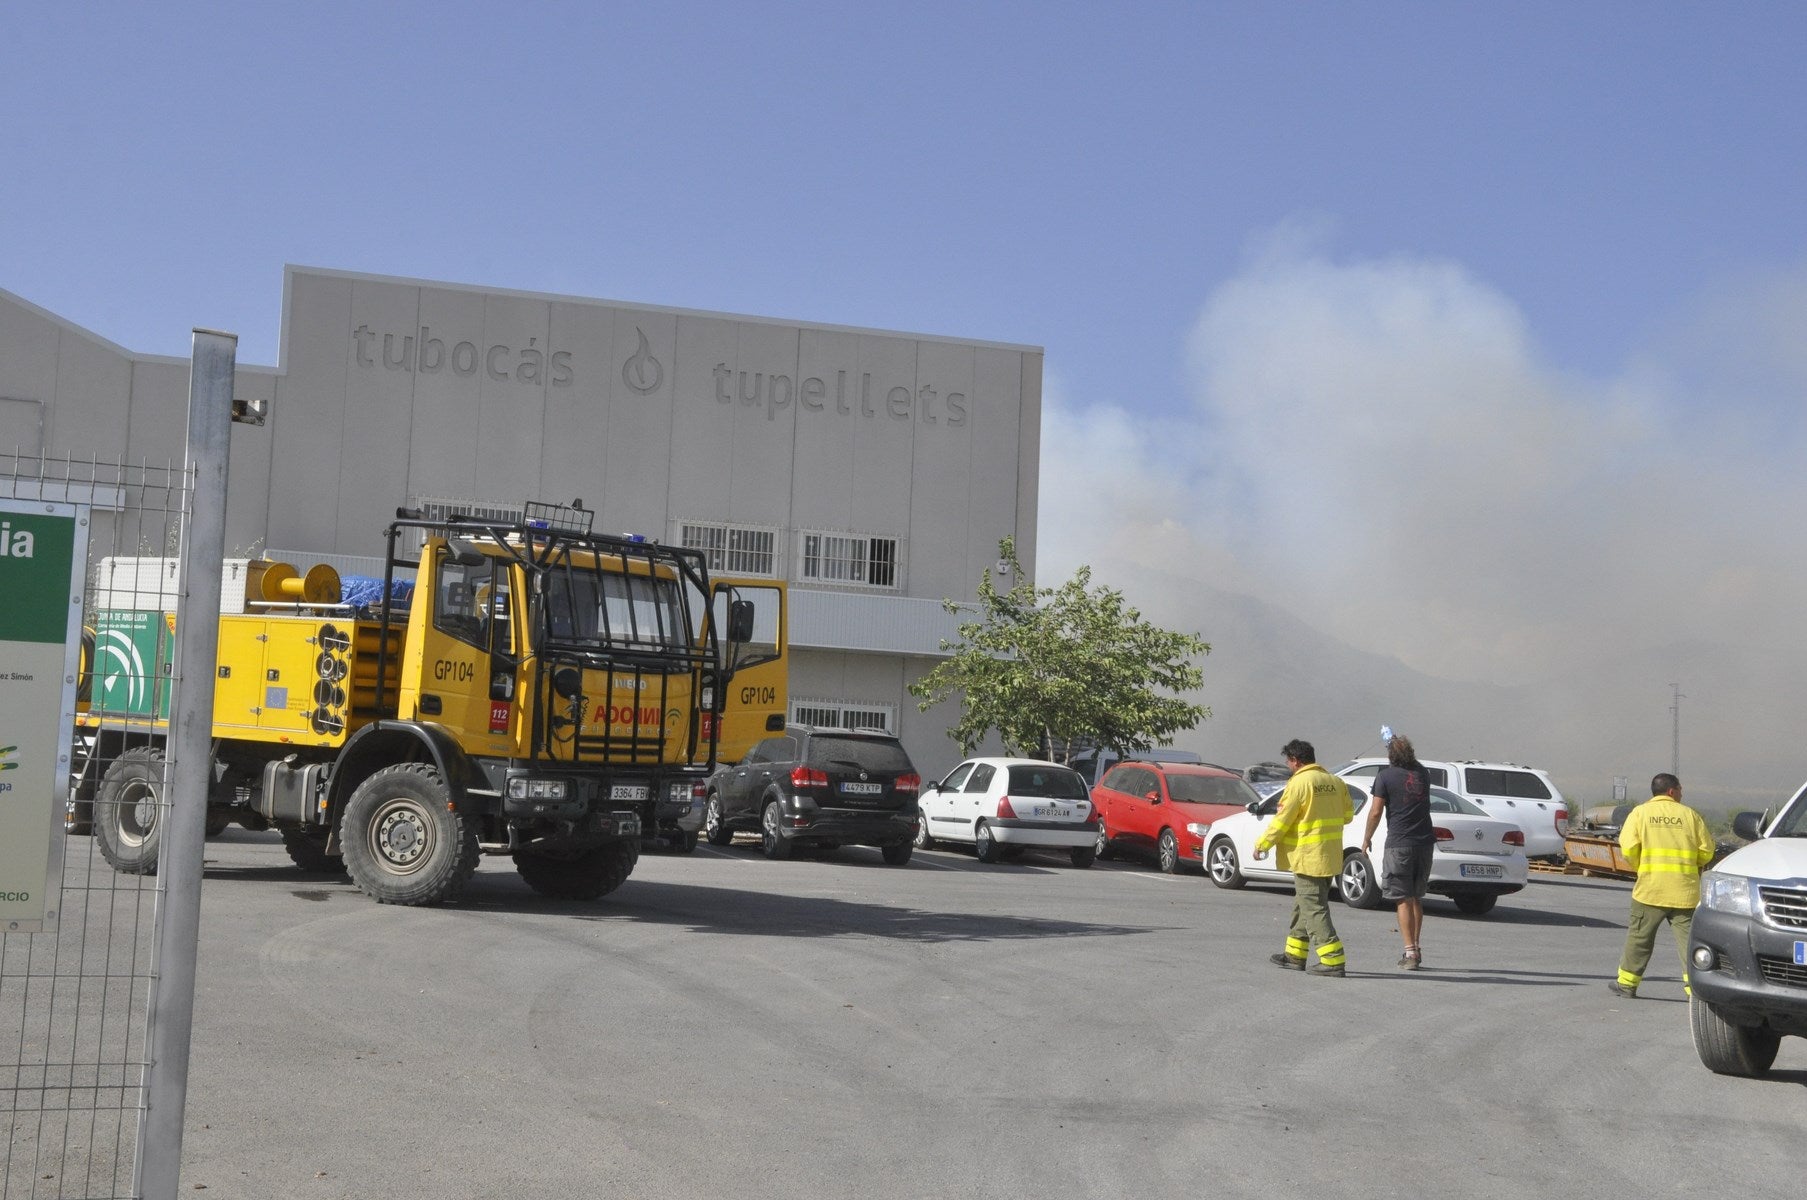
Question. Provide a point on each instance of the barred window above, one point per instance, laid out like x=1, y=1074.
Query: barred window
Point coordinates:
x=835, y=715
x=848, y=558
x=734, y=549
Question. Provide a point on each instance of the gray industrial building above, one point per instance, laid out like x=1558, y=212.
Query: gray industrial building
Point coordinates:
x=875, y=471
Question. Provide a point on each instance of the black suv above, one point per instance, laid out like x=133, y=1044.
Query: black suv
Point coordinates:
x=819, y=787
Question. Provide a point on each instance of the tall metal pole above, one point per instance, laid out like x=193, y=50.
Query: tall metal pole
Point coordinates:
x=158, y=1166
x=1675, y=735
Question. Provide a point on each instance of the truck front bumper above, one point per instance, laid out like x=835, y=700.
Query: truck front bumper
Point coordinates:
x=1752, y=973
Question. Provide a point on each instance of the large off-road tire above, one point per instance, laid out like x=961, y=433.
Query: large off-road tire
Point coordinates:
x=307, y=849
x=1476, y=904
x=715, y=822
x=130, y=812
x=1167, y=851
x=1222, y=866
x=987, y=848
x=581, y=876
x=1728, y=1049
x=403, y=843
x=1357, y=884
x=771, y=831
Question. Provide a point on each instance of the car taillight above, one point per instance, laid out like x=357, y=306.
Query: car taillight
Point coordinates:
x=1005, y=812
x=1562, y=821
x=1514, y=837
x=808, y=777
x=909, y=783
x=1442, y=834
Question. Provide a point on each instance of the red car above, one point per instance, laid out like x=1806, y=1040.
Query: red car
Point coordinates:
x=1166, y=807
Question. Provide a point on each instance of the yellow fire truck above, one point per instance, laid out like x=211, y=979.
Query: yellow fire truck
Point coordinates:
x=534, y=689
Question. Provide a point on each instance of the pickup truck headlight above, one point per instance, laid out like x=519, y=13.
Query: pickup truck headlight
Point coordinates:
x=1726, y=893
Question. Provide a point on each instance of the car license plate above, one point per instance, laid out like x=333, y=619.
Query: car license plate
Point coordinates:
x=628, y=791
x=863, y=789
x=1051, y=810
x=1482, y=871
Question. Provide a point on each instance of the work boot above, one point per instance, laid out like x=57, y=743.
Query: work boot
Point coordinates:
x=1335, y=972
x=1619, y=989
x=1287, y=961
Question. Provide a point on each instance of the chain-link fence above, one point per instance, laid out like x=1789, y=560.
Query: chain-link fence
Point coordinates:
x=97, y=948
x=76, y=999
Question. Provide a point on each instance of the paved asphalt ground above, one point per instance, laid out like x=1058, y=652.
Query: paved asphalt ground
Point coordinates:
x=724, y=1026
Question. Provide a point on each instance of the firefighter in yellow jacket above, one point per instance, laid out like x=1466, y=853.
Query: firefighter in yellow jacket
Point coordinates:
x=1308, y=830
x=1669, y=844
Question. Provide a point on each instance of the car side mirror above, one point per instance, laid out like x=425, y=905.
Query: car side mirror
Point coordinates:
x=1254, y=807
x=1153, y=797
x=1748, y=825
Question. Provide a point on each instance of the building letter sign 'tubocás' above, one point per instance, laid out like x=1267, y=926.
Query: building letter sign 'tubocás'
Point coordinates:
x=43, y=550
x=643, y=373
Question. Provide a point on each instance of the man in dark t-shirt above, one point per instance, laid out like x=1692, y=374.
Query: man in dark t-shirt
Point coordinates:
x=1402, y=790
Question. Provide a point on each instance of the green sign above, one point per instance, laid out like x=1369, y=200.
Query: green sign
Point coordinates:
x=43, y=548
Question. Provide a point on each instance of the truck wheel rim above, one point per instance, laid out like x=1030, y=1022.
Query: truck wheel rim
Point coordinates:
x=137, y=813
x=401, y=836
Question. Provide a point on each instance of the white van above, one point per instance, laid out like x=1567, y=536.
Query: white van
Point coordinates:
x=1525, y=796
x=1092, y=764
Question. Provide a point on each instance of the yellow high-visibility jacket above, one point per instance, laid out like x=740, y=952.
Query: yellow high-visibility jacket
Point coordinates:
x=1669, y=844
x=1308, y=829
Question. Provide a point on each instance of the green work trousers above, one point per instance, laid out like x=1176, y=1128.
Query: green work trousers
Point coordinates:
x=1311, y=921
x=1640, y=939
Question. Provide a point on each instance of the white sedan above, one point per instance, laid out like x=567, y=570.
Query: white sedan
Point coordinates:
x=1478, y=859
x=1005, y=805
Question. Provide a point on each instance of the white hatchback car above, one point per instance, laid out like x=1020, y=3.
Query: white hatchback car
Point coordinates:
x=1478, y=859
x=1006, y=805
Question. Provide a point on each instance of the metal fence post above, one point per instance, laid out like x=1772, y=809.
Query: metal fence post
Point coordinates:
x=159, y=1159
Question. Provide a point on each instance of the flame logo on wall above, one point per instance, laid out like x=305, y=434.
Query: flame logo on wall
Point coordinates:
x=643, y=372
x=121, y=670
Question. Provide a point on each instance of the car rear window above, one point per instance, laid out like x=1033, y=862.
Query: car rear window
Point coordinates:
x=1209, y=789
x=868, y=754
x=1491, y=781
x=1056, y=783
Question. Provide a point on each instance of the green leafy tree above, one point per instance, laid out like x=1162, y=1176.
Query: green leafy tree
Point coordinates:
x=1060, y=666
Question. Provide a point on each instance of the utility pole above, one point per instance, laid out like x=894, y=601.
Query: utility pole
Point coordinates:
x=1675, y=743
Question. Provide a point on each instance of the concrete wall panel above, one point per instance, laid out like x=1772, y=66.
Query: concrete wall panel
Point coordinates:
x=371, y=480
x=828, y=363
x=637, y=460
x=939, y=491
x=573, y=454
x=445, y=414
x=308, y=415
x=702, y=423
x=511, y=405
x=994, y=461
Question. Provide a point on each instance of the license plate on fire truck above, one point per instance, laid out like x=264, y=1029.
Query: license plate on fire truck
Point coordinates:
x=629, y=791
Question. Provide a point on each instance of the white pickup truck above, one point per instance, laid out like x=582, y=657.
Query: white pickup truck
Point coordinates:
x=1747, y=956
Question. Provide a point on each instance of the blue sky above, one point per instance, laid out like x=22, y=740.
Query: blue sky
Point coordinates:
x=1523, y=283
x=1070, y=175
